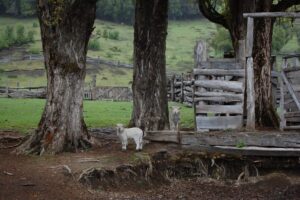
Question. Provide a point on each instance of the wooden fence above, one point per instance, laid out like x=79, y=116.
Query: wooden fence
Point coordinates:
x=290, y=94
x=95, y=93
x=219, y=95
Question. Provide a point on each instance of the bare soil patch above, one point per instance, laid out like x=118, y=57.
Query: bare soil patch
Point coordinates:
x=48, y=177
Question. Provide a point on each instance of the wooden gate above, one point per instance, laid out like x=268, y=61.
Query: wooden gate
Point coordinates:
x=290, y=94
x=219, y=94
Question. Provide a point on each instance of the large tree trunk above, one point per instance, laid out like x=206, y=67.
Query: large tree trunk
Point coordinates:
x=263, y=28
x=150, y=103
x=65, y=29
x=237, y=24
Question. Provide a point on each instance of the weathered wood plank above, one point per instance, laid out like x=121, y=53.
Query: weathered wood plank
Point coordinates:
x=220, y=94
x=231, y=138
x=219, y=99
x=292, y=114
x=291, y=90
x=291, y=127
x=250, y=93
x=233, y=86
x=272, y=14
x=220, y=72
x=220, y=64
x=230, y=109
x=219, y=122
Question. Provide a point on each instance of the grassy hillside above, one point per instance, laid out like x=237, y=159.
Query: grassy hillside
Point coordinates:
x=23, y=114
x=181, y=39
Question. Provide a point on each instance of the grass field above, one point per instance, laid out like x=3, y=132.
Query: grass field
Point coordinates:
x=181, y=39
x=23, y=114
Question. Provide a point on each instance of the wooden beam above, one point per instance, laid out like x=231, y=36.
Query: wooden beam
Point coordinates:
x=219, y=122
x=250, y=125
x=234, y=86
x=230, y=109
x=272, y=14
x=220, y=72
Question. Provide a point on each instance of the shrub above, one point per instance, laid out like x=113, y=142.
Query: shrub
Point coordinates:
x=30, y=36
x=3, y=43
x=20, y=38
x=105, y=34
x=114, y=35
x=35, y=25
x=9, y=36
x=94, y=45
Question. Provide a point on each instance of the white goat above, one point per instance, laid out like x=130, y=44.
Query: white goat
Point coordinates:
x=174, y=118
x=135, y=133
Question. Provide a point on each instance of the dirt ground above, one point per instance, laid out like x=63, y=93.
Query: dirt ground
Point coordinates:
x=48, y=177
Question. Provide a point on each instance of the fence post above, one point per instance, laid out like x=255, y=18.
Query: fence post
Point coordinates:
x=182, y=94
x=250, y=76
x=172, y=88
x=7, y=91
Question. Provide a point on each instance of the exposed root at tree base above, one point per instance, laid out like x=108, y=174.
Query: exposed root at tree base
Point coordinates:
x=161, y=168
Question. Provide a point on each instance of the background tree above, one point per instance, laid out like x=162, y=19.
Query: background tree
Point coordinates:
x=66, y=27
x=231, y=18
x=150, y=103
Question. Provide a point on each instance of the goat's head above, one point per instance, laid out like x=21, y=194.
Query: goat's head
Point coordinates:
x=175, y=109
x=120, y=128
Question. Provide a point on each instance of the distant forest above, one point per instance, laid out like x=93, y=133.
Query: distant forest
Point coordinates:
x=120, y=11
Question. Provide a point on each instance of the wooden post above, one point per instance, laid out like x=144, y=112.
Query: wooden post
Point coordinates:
x=7, y=91
x=281, y=105
x=182, y=87
x=249, y=44
x=172, y=88
x=250, y=125
x=250, y=76
x=241, y=55
x=200, y=53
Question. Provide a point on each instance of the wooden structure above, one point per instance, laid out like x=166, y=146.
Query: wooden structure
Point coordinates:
x=290, y=93
x=219, y=95
x=180, y=89
x=250, y=72
x=218, y=92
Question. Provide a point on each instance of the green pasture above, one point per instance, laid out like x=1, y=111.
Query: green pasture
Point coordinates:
x=24, y=114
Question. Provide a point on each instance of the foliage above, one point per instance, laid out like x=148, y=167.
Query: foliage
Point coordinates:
x=221, y=41
x=30, y=36
x=35, y=25
x=240, y=144
x=105, y=34
x=10, y=37
x=122, y=11
x=114, y=35
x=282, y=33
x=20, y=35
x=94, y=45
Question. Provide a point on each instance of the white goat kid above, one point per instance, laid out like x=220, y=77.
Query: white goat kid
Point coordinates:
x=174, y=118
x=134, y=133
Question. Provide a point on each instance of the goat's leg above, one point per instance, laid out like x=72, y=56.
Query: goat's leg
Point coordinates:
x=141, y=142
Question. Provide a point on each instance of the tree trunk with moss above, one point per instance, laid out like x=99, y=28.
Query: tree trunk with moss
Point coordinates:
x=150, y=103
x=66, y=27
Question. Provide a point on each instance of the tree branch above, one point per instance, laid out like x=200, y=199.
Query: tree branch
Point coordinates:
x=209, y=11
x=284, y=5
